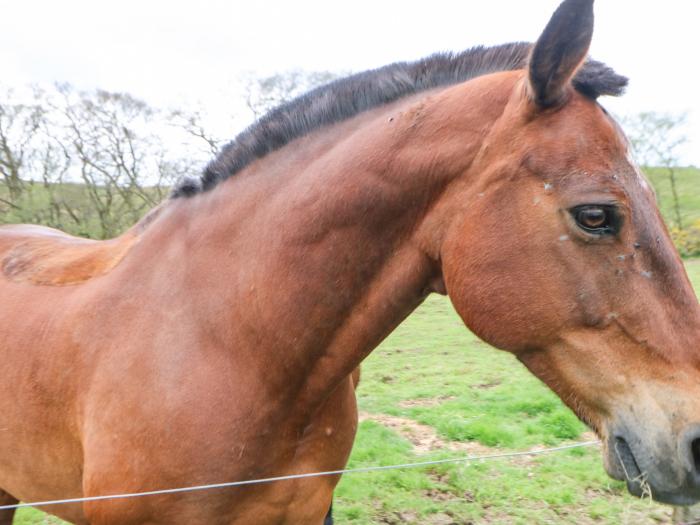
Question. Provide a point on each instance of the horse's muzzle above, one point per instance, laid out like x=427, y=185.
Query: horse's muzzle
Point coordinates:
x=656, y=468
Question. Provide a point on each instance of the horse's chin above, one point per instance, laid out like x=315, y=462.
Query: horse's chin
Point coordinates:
x=677, y=499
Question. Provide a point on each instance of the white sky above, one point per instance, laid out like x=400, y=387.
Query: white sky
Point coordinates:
x=174, y=53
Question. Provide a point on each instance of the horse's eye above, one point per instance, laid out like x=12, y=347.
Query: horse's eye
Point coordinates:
x=597, y=219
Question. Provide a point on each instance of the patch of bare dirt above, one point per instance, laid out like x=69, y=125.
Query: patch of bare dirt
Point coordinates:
x=588, y=436
x=442, y=493
x=398, y=517
x=423, y=437
x=437, y=494
x=442, y=518
x=486, y=386
x=411, y=518
x=425, y=402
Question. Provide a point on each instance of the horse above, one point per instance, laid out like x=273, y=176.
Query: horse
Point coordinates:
x=216, y=339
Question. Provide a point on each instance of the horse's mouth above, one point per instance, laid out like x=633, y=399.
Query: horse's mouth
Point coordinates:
x=626, y=462
x=646, y=482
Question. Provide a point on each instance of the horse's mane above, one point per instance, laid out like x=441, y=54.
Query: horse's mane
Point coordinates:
x=346, y=97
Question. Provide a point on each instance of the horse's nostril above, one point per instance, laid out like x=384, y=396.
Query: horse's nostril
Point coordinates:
x=695, y=449
x=624, y=454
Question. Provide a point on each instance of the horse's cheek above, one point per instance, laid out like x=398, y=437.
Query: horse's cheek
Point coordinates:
x=490, y=291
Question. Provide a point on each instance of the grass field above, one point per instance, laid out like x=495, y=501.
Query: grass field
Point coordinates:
x=688, y=185
x=433, y=390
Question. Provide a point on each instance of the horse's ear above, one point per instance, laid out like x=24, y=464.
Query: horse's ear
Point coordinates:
x=560, y=50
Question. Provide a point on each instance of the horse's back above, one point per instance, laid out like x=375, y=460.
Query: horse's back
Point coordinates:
x=44, y=256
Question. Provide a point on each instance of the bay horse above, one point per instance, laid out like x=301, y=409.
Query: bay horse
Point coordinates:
x=215, y=340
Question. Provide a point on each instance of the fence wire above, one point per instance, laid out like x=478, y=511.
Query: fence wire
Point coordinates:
x=359, y=470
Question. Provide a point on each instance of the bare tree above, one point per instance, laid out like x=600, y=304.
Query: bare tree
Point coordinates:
x=101, y=131
x=92, y=163
x=192, y=123
x=656, y=139
x=88, y=162
x=19, y=125
x=263, y=94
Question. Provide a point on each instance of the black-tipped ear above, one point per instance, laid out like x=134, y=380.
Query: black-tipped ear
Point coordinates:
x=560, y=50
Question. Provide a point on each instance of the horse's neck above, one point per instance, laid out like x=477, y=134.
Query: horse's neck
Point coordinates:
x=324, y=246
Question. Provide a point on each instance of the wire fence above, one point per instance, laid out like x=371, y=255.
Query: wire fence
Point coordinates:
x=360, y=470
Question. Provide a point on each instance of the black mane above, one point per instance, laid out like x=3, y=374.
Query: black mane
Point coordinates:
x=346, y=97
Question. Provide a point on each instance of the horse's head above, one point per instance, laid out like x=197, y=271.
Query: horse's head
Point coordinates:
x=559, y=255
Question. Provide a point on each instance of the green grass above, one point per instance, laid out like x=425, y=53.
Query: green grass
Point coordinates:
x=688, y=185
x=68, y=207
x=34, y=517
x=693, y=267
x=482, y=404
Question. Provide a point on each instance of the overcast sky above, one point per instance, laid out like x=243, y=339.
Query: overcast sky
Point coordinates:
x=174, y=53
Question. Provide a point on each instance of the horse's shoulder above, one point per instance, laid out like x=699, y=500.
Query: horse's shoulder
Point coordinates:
x=45, y=256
